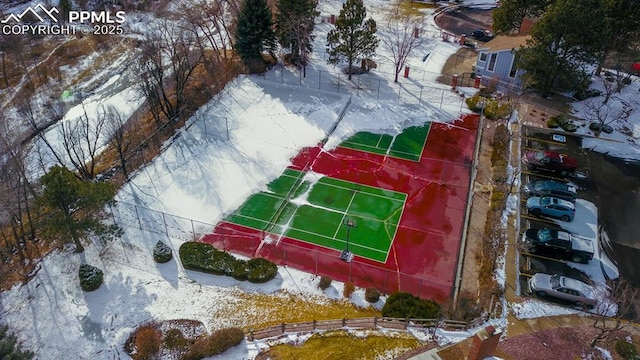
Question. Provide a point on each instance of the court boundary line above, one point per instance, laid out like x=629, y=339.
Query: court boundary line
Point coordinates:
x=389, y=150
x=270, y=225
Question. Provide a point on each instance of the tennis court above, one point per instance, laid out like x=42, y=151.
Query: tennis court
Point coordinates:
x=325, y=211
x=407, y=145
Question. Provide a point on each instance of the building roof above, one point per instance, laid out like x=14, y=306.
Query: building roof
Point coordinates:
x=500, y=43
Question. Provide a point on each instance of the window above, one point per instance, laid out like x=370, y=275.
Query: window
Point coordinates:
x=483, y=57
x=514, y=70
x=492, y=61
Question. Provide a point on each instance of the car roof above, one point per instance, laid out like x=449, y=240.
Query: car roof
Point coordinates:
x=577, y=285
x=562, y=158
x=555, y=200
x=555, y=185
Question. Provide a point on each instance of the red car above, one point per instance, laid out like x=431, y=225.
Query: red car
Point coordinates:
x=552, y=161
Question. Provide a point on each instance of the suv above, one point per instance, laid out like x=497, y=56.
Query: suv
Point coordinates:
x=551, y=207
x=558, y=243
x=552, y=188
x=552, y=161
x=562, y=287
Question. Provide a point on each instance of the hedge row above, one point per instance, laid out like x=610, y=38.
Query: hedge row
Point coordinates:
x=406, y=305
x=204, y=257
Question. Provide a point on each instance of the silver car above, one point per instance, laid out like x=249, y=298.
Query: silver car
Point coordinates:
x=562, y=287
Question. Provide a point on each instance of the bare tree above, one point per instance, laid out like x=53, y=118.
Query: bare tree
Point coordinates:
x=81, y=142
x=402, y=37
x=211, y=24
x=603, y=114
x=38, y=127
x=169, y=56
x=118, y=130
x=612, y=313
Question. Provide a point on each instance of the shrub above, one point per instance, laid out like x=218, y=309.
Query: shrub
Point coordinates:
x=595, y=126
x=204, y=257
x=625, y=349
x=474, y=103
x=239, y=270
x=261, y=270
x=162, y=252
x=552, y=123
x=405, y=305
x=147, y=342
x=216, y=343
x=348, y=290
x=324, y=283
x=372, y=295
x=493, y=109
x=196, y=255
x=175, y=340
x=90, y=277
x=9, y=347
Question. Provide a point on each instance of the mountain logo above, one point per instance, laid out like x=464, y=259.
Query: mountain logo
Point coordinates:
x=35, y=11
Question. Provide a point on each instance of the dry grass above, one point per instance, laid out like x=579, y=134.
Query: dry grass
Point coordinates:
x=344, y=345
x=263, y=310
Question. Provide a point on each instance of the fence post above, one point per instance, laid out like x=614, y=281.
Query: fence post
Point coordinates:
x=441, y=98
x=166, y=229
x=319, y=79
x=282, y=327
x=378, y=95
x=193, y=230
x=421, y=88
x=399, y=91
x=226, y=124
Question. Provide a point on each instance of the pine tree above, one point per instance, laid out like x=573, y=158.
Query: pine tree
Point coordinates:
x=254, y=33
x=509, y=15
x=560, y=51
x=353, y=37
x=294, y=27
x=72, y=206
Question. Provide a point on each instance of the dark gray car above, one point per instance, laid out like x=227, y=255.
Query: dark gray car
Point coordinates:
x=556, y=189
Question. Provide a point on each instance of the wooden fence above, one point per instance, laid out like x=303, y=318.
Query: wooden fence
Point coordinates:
x=368, y=323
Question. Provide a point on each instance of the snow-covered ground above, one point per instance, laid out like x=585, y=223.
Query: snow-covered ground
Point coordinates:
x=201, y=176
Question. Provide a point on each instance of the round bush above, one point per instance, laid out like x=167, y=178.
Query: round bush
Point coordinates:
x=553, y=123
x=372, y=295
x=261, y=270
x=569, y=126
x=595, y=126
x=239, y=271
x=625, y=349
x=405, y=305
x=162, y=252
x=174, y=339
x=90, y=277
x=197, y=256
x=324, y=283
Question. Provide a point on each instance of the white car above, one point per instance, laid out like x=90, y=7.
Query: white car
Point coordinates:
x=562, y=287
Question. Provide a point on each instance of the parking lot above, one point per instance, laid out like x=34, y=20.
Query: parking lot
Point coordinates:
x=584, y=225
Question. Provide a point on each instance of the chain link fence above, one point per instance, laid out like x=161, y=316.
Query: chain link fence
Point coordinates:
x=252, y=243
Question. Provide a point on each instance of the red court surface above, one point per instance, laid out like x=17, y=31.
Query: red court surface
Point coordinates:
x=424, y=255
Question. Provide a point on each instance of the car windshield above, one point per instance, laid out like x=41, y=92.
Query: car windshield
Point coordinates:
x=555, y=281
x=539, y=155
x=545, y=235
x=545, y=201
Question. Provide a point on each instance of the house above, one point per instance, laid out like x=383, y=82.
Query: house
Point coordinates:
x=496, y=63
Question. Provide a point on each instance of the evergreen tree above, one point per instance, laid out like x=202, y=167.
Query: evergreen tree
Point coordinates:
x=254, y=33
x=622, y=18
x=294, y=27
x=65, y=7
x=560, y=51
x=73, y=207
x=9, y=348
x=353, y=37
x=507, y=18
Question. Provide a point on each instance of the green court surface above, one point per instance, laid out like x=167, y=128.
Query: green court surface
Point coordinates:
x=323, y=212
x=407, y=145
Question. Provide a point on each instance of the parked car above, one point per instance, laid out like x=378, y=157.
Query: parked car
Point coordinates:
x=482, y=35
x=562, y=287
x=551, y=188
x=551, y=207
x=558, y=243
x=552, y=161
